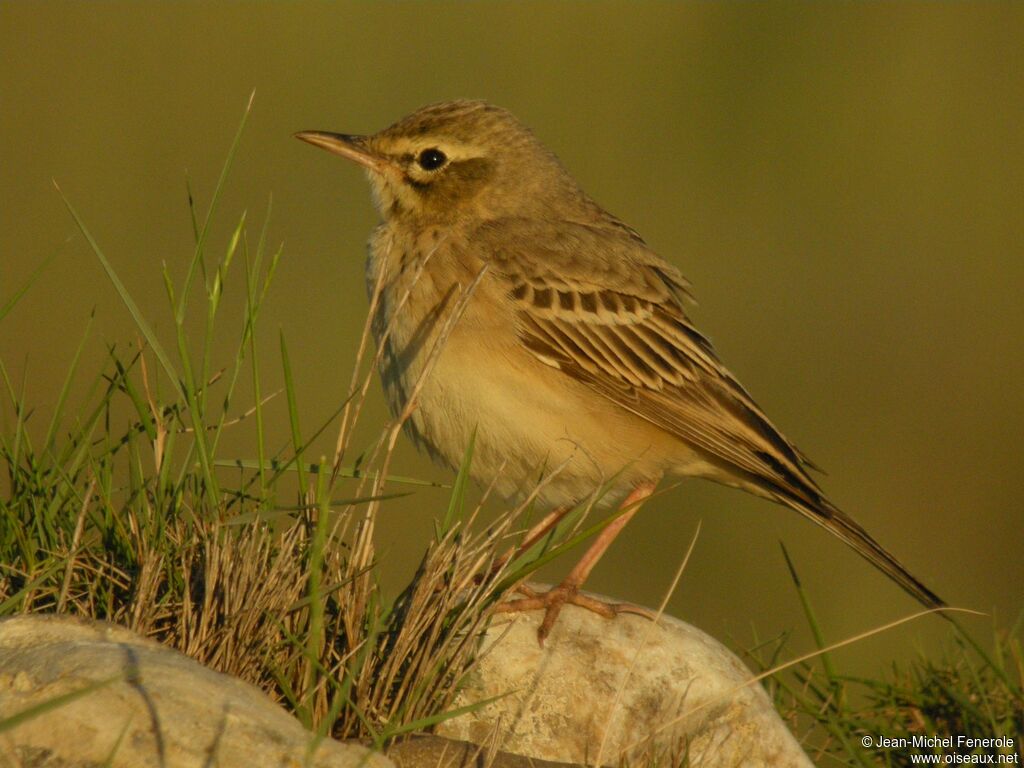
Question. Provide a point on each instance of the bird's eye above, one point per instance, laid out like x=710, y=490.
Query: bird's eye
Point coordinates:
x=431, y=159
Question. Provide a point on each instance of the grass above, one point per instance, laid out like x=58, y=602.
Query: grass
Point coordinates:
x=123, y=507
x=923, y=708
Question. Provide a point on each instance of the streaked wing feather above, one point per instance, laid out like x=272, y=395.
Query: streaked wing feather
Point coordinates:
x=614, y=321
x=619, y=327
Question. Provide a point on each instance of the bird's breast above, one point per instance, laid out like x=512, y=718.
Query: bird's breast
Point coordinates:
x=418, y=283
x=460, y=358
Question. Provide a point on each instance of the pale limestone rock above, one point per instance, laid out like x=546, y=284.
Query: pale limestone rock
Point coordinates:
x=600, y=689
x=428, y=751
x=163, y=709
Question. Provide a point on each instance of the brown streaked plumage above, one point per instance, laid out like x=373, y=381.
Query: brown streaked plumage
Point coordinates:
x=574, y=350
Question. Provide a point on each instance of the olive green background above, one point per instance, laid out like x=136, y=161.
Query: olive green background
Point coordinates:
x=843, y=184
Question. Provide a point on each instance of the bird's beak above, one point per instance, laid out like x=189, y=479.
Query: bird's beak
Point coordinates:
x=352, y=147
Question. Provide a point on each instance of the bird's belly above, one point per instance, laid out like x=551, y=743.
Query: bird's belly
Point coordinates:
x=530, y=424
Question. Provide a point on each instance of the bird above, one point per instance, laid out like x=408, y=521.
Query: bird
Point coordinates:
x=511, y=309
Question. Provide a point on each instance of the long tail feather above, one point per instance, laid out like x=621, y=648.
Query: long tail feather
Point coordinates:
x=846, y=528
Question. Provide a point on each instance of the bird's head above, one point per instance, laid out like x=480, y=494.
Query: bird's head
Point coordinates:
x=455, y=161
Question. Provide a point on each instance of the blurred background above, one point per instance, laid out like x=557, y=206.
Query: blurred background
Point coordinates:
x=842, y=183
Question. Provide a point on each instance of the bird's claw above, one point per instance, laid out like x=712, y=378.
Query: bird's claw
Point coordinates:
x=552, y=600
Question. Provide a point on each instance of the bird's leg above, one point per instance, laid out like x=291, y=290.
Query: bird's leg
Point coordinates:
x=568, y=591
x=535, y=534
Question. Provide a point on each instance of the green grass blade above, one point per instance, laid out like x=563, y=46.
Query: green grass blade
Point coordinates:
x=192, y=207
x=17, y=295
x=293, y=413
x=11, y=603
x=109, y=762
x=315, y=469
x=254, y=364
x=36, y=710
x=197, y=256
x=458, y=496
x=62, y=397
x=812, y=620
x=22, y=441
x=315, y=637
x=431, y=720
x=212, y=305
x=283, y=512
x=129, y=302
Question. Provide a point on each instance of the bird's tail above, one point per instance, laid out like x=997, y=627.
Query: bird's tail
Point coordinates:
x=846, y=528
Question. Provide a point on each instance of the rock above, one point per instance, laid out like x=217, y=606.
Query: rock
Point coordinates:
x=601, y=690
x=428, y=751
x=160, y=708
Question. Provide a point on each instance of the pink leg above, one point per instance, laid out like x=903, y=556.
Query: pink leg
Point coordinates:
x=568, y=591
x=535, y=534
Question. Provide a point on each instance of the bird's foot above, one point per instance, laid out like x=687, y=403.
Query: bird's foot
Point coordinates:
x=553, y=599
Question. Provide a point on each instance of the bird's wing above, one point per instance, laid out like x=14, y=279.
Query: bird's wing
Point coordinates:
x=598, y=305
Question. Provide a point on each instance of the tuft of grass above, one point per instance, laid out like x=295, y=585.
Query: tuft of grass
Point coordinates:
x=922, y=709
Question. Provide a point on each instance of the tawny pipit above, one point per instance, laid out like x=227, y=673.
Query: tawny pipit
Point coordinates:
x=571, y=350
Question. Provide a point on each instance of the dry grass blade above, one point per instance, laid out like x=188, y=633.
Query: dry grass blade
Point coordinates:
x=76, y=539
